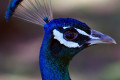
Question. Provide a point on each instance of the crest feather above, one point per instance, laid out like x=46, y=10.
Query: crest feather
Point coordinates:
x=34, y=11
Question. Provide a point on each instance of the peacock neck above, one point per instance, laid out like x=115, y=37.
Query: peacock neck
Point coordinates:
x=52, y=67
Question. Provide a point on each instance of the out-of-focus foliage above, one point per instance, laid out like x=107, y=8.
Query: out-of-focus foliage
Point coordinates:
x=111, y=72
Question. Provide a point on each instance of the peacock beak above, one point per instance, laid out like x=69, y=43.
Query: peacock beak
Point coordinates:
x=97, y=37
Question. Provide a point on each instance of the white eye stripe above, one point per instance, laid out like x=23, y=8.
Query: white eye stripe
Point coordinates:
x=79, y=30
x=82, y=32
x=66, y=27
x=59, y=36
x=86, y=34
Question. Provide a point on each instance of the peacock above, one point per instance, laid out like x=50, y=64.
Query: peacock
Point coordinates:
x=63, y=37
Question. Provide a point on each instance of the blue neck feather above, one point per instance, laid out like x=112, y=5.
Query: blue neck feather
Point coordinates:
x=52, y=69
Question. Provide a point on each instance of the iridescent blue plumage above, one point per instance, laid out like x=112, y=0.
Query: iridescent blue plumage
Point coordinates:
x=63, y=39
x=67, y=22
x=11, y=8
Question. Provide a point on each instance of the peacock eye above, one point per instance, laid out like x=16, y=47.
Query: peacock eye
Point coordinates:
x=70, y=35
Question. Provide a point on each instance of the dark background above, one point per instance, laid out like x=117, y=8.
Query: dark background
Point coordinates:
x=20, y=42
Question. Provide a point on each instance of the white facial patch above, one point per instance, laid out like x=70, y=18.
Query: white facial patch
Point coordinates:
x=59, y=36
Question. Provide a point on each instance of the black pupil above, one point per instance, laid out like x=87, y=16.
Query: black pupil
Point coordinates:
x=69, y=35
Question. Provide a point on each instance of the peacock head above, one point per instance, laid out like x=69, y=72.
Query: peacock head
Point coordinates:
x=68, y=36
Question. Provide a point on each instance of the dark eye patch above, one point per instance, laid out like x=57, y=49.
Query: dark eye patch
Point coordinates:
x=70, y=34
x=81, y=39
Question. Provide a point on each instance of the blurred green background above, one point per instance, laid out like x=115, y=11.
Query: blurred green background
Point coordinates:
x=20, y=42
